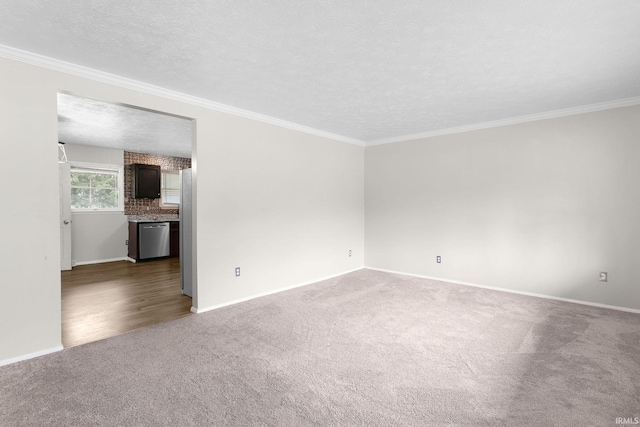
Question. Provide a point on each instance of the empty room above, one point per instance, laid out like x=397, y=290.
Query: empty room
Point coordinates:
x=414, y=213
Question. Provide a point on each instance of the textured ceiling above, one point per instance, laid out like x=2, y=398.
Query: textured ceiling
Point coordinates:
x=367, y=70
x=95, y=123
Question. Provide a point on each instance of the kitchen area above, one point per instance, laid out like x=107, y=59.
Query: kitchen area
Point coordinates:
x=125, y=222
x=155, y=233
x=131, y=267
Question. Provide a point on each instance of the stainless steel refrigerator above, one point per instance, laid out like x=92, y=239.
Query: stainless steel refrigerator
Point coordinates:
x=186, y=227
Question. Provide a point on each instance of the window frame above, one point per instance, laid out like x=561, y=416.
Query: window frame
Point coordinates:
x=162, y=204
x=100, y=167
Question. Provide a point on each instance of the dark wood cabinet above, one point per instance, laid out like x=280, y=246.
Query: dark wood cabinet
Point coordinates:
x=175, y=239
x=146, y=181
x=133, y=240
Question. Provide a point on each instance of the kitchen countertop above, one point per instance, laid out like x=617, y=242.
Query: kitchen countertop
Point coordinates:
x=153, y=218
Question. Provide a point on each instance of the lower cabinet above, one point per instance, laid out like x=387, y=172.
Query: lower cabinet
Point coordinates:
x=174, y=240
x=133, y=240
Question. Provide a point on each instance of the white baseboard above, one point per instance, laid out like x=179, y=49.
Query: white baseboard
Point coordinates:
x=130, y=260
x=31, y=355
x=100, y=261
x=264, y=294
x=511, y=291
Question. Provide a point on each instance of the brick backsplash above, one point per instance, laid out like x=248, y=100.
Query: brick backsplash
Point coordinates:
x=148, y=206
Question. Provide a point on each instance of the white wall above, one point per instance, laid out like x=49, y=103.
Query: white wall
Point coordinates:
x=30, y=254
x=87, y=154
x=539, y=207
x=97, y=236
x=282, y=209
x=283, y=205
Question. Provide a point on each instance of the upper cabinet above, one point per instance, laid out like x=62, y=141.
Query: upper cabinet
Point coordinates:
x=146, y=181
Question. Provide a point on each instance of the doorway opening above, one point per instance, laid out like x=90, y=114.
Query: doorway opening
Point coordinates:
x=108, y=286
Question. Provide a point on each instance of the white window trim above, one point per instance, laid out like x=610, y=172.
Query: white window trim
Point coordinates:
x=161, y=203
x=105, y=167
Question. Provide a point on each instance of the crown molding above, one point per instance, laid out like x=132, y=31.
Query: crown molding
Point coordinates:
x=103, y=77
x=626, y=102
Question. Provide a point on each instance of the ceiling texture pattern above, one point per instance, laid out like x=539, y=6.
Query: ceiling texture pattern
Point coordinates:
x=368, y=70
x=101, y=124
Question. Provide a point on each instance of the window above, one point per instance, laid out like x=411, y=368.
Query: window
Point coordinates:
x=170, y=189
x=96, y=187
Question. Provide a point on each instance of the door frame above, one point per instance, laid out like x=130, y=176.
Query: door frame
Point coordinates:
x=64, y=178
x=194, y=259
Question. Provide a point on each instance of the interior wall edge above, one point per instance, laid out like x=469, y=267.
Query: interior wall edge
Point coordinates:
x=31, y=355
x=511, y=291
x=275, y=291
x=102, y=261
x=591, y=108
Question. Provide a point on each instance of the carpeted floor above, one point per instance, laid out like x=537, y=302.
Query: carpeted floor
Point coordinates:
x=368, y=348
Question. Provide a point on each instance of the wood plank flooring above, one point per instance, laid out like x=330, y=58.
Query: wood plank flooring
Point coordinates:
x=104, y=300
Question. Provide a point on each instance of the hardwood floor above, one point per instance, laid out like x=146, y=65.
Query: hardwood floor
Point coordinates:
x=104, y=300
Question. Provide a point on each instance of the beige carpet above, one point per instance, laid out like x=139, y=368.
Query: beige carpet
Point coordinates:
x=367, y=348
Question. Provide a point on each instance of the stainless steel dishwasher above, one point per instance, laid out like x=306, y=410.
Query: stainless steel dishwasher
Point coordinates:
x=153, y=238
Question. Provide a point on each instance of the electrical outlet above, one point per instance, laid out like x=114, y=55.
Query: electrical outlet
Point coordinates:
x=237, y=271
x=604, y=276
x=349, y=253
x=126, y=242
x=438, y=259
